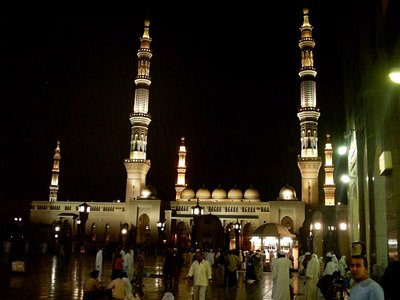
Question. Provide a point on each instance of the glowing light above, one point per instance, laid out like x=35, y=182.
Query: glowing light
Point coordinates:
x=343, y=226
x=345, y=178
x=342, y=150
x=395, y=76
x=317, y=226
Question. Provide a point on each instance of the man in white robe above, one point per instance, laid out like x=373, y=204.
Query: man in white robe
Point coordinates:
x=312, y=277
x=281, y=268
x=99, y=262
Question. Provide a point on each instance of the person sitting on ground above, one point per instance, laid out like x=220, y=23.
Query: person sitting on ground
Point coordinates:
x=116, y=286
x=92, y=286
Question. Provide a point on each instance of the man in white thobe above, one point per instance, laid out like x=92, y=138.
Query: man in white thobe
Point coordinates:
x=281, y=277
x=312, y=277
x=99, y=262
x=128, y=264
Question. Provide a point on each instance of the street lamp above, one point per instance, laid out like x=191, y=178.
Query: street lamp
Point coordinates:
x=237, y=226
x=161, y=232
x=196, y=211
x=84, y=210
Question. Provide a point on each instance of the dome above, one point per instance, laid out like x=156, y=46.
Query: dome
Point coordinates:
x=251, y=193
x=235, y=193
x=218, y=193
x=148, y=191
x=272, y=229
x=287, y=193
x=187, y=194
x=203, y=193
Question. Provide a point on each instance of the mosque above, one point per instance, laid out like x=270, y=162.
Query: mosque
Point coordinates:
x=201, y=218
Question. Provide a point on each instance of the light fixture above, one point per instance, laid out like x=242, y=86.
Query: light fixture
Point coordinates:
x=394, y=75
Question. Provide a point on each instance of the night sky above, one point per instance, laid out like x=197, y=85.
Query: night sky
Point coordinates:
x=226, y=78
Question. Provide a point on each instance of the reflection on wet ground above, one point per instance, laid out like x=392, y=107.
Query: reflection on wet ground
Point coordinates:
x=52, y=278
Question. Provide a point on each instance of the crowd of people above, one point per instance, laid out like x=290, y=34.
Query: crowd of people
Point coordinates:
x=125, y=280
x=329, y=278
x=318, y=277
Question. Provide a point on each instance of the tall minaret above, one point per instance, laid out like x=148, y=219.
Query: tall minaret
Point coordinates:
x=55, y=173
x=329, y=185
x=309, y=163
x=137, y=165
x=181, y=180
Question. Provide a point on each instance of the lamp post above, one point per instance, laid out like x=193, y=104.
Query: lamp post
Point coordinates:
x=196, y=211
x=237, y=226
x=161, y=231
x=84, y=210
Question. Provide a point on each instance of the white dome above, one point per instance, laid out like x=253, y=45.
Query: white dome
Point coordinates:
x=203, y=193
x=219, y=193
x=251, y=193
x=235, y=193
x=287, y=193
x=187, y=194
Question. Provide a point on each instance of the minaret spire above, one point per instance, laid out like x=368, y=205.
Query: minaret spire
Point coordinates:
x=55, y=173
x=329, y=185
x=308, y=161
x=137, y=165
x=181, y=180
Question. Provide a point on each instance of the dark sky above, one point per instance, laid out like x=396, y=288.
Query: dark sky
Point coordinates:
x=226, y=78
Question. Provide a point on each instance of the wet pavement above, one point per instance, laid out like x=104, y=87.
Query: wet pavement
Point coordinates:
x=49, y=277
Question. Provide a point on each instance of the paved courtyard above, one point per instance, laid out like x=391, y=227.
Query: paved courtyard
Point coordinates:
x=52, y=278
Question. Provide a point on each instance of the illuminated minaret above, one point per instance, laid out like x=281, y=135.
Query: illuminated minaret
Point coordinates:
x=181, y=180
x=54, y=176
x=329, y=185
x=137, y=165
x=308, y=161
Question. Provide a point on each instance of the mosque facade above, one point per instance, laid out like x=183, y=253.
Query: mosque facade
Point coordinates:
x=225, y=218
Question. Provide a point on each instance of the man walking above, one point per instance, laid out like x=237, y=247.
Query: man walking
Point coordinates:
x=281, y=268
x=200, y=271
x=99, y=262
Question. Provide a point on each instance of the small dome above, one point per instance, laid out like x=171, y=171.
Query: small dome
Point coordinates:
x=287, y=193
x=218, y=193
x=148, y=191
x=203, y=193
x=251, y=193
x=187, y=194
x=235, y=193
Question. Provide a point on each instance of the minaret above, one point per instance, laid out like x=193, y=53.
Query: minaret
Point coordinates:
x=329, y=185
x=54, y=176
x=137, y=165
x=181, y=180
x=309, y=163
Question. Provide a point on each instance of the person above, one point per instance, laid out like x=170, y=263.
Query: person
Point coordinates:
x=312, y=277
x=99, y=262
x=364, y=287
x=232, y=263
x=258, y=265
x=128, y=286
x=250, y=275
x=281, y=268
x=118, y=264
x=330, y=266
x=116, y=286
x=92, y=287
x=218, y=272
x=200, y=271
x=170, y=269
x=343, y=268
x=128, y=263
x=390, y=280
